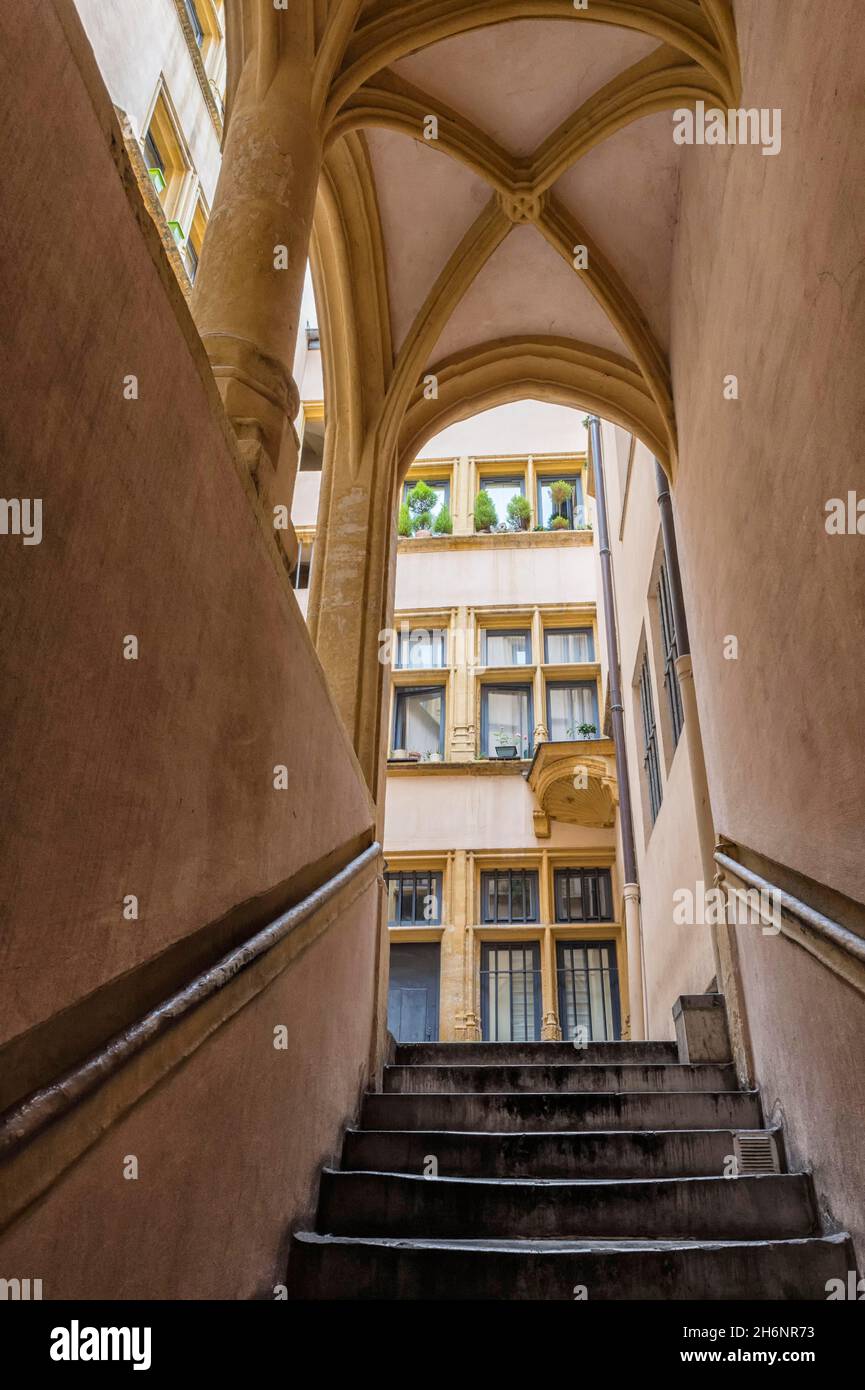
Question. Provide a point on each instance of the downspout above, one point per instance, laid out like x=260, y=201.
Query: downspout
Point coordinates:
x=633, y=921
x=724, y=945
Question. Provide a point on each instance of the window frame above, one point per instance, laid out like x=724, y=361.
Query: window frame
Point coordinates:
x=669, y=652
x=435, y=877
x=569, y=632
x=524, y=687
x=651, y=750
x=437, y=483
x=586, y=875
x=401, y=693
x=487, y=632
x=405, y=637
x=496, y=873
x=571, y=685
x=577, y=504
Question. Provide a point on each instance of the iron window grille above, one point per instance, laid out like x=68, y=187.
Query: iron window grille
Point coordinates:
x=414, y=898
x=588, y=988
x=651, y=765
x=510, y=980
x=583, y=895
x=670, y=643
x=509, y=896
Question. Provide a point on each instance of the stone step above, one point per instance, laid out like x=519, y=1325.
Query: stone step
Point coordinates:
x=705, y=1076
x=512, y=1113
x=574, y=1154
x=332, y=1267
x=772, y=1207
x=545, y=1053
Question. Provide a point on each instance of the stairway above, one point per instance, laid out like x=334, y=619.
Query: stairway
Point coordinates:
x=561, y=1174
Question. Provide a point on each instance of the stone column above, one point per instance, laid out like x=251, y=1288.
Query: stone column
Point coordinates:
x=550, y=1030
x=541, y=732
x=249, y=285
x=463, y=689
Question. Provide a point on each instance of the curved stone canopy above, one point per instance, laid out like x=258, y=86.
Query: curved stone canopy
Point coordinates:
x=515, y=165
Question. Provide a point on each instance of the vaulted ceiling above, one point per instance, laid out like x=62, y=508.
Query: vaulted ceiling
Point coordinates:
x=450, y=247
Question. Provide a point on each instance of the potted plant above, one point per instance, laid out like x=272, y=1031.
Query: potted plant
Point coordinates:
x=505, y=745
x=421, y=504
x=519, y=513
x=582, y=731
x=562, y=493
x=435, y=757
x=443, y=524
x=403, y=524
x=486, y=516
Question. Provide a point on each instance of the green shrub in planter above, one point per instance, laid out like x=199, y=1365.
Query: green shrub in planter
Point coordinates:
x=403, y=525
x=486, y=515
x=422, y=499
x=561, y=492
x=559, y=523
x=443, y=524
x=422, y=522
x=519, y=513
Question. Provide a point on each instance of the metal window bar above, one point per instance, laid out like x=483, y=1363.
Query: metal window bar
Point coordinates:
x=496, y=880
x=409, y=899
x=671, y=652
x=511, y=994
x=588, y=992
x=650, y=740
x=595, y=886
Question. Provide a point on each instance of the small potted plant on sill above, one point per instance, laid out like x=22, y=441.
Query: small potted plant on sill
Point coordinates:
x=582, y=731
x=562, y=493
x=443, y=524
x=421, y=502
x=403, y=524
x=506, y=746
x=435, y=757
x=486, y=516
x=519, y=513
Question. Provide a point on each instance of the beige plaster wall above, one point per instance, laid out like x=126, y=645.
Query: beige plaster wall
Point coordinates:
x=678, y=959
x=137, y=44
x=228, y=1147
x=152, y=777
x=768, y=285
x=521, y=427
x=435, y=811
x=488, y=576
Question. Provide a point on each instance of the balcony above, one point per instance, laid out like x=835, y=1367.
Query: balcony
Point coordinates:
x=574, y=782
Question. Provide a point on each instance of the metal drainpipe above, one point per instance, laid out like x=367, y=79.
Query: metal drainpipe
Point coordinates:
x=633, y=921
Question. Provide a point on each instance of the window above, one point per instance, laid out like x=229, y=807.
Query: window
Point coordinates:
x=313, y=339
x=422, y=648
x=583, y=895
x=414, y=898
x=419, y=724
x=564, y=645
x=506, y=719
x=194, y=240
x=572, y=510
x=588, y=990
x=164, y=156
x=670, y=644
x=194, y=20
x=506, y=648
x=501, y=490
x=511, y=992
x=303, y=568
x=568, y=706
x=509, y=895
x=440, y=486
x=650, y=740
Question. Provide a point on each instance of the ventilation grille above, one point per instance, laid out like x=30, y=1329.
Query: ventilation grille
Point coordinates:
x=756, y=1151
